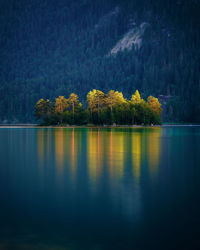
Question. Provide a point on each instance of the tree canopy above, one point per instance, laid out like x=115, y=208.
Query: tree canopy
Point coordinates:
x=110, y=108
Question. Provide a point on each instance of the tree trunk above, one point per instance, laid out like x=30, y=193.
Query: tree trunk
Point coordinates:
x=98, y=109
x=73, y=110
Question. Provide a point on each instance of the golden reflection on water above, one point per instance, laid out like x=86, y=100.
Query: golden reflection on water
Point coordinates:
x=105, y=150
x=94, y=154
x=40, y=145
x=59, y=149
x=73, y=153
x=154, y=149
x=136, y=154
x=117, y=154
x=48, y=143
x=111, y=154
x=66, y=149
x=75, y=150
x=118, y=157
x=111, y=148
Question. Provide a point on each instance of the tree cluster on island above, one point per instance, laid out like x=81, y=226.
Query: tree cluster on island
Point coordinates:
x=110, y=108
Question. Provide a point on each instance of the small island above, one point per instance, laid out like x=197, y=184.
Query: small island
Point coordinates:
x=102, y=109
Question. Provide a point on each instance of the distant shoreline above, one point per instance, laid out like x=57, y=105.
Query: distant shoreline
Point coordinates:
x=22, y=125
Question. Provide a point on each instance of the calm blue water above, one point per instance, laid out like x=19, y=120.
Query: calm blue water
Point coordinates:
x=83, y=188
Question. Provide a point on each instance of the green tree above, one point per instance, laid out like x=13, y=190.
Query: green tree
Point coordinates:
x=132, y=112
x=43, y=109
x=114, y=98
x=155, y=109
x=73, y=102
x=96, y=101
x=142, y=113
x=91, y=101
x=60, y=106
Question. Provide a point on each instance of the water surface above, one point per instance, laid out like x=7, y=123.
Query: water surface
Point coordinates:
x=90, y=188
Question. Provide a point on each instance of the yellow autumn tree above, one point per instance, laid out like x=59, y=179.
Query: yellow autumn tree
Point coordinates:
x=42, y=109
x=154, y=105
x=60, y=106
x=73, y=102
x=136, y=98
x=91, y=100
x=114, y=98
x=95, y=100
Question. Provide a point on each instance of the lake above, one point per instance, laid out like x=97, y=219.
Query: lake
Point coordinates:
x=100, y=188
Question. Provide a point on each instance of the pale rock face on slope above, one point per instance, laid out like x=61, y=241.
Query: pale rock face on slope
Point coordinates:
x=132, y=38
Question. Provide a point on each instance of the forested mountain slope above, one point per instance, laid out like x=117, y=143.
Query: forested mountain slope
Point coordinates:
x=54, y=47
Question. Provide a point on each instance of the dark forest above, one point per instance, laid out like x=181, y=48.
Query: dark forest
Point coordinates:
x=55, y=47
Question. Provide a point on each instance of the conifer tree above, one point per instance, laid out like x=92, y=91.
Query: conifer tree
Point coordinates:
x=95, y=100
x=114, y=98
x=136, y=99
x=43, y=109
x=73, y=102
x=60, y=106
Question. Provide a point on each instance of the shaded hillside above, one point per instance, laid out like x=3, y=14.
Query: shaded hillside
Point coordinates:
x=50, y=48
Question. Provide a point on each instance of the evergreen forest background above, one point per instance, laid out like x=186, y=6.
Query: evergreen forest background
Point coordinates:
x=52, y=48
